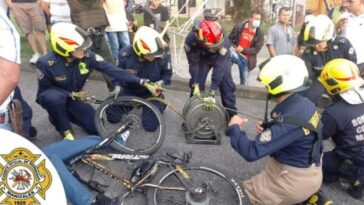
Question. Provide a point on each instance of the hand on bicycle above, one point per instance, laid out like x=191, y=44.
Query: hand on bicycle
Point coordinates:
x=80, y=96
x=115, y=93
x=153, y=88
x=209, y=100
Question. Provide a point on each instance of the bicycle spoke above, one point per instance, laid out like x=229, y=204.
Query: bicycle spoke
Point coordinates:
x=147, y=131
x=218, y=190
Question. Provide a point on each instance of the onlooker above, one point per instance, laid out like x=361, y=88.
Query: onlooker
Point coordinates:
x=132, y=23
x=57, y=10
x=280, y=36
x=117, y=31
x=4, y=7
x=343, y=123
x=247, y=39
x=354, y=30
x=29, y=17
x=160, y=12
x=9, y=66
x=339, y=15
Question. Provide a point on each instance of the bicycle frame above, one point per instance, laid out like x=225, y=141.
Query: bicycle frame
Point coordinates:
x=182, y=175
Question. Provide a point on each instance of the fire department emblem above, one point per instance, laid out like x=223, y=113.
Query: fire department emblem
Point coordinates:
x=23, y=177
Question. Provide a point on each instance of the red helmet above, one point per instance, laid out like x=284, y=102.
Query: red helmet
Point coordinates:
x=210, y=34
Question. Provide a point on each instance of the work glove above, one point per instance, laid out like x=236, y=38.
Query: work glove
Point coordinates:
x=115, y=93
x=209, y=100
x=160, y=83
x=80, y=96
x=195, y=90
x=153, y=88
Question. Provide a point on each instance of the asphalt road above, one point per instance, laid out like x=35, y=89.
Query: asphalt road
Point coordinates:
x=221, y=156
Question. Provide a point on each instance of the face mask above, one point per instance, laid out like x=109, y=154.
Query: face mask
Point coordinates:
x=256, y=23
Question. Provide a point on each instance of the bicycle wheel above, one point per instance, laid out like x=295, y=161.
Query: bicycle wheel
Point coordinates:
x=220, y=189
x=147, y=131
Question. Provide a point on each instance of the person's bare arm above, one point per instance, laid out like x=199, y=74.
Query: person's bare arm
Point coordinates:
x=9, y=78
x=8, y=2
x=271, y=50
x=45, y=7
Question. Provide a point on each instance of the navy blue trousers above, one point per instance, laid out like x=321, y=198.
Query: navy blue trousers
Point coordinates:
x=62, y=110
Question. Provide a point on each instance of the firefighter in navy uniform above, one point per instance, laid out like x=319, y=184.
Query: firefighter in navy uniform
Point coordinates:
x=62, y=73
x=344, y=122
x=294, y=148
x=146, y=59
x=207, y=47
x=321, y=47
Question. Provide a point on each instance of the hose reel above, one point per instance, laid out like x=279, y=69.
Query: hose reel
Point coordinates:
x=203, y=126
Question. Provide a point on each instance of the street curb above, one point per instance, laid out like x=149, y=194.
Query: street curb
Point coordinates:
x=178, y=84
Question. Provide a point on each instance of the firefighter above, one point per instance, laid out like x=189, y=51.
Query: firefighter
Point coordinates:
x=62, y=74
x=344, y=122
x=207, y=47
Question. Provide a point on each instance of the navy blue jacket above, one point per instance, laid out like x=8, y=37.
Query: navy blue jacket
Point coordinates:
x=339, y=47
x=54, y=72
x=287, y=143
x=159, y=69
x=344, y=123
x=197, y=55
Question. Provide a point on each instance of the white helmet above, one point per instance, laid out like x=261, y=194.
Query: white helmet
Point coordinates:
x=147, y=42
x=67, y=37
x=284, y=74
x=320, y=28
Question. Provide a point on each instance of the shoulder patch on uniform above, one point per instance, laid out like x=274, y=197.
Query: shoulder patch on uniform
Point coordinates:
x=50, y=63
x=351, y=51
x=87, y=54
x=335, y=47
x=99, y=58
x=266, y=136
x=40, y=74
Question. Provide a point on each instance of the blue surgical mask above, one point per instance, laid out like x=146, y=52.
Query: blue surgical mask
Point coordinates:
x=256, y=23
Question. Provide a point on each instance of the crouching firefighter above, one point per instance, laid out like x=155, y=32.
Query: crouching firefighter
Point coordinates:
x=62, y=74
x=292, y=139
x=343, y=121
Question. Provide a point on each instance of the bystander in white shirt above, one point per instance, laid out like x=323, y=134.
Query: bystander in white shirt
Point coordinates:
x=9, y=48
x=354, y=32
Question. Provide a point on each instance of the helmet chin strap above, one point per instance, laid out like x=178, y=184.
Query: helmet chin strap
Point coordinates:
x=265, y=121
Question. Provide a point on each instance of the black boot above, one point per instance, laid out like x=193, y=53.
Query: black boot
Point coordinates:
x=356, y=189
x=101, y=199
x=318, y=198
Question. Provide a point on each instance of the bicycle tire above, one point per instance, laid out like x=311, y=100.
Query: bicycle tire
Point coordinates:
x=137, y=110
x=229, y=192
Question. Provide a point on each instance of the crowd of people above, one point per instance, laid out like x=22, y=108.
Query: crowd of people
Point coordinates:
x=327, y=57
